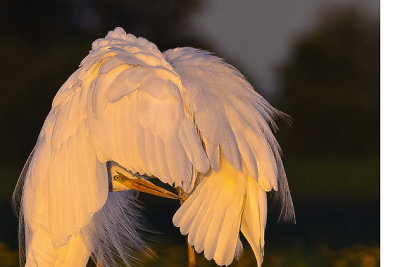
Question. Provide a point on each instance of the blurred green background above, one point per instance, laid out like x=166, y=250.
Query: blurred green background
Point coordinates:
x=327, y=81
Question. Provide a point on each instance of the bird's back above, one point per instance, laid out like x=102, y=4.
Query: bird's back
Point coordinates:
x=185, y=117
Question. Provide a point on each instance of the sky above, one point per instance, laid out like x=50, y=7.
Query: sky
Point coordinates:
x=256, y=34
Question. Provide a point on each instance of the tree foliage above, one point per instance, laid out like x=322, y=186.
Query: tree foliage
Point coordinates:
x=330, y=86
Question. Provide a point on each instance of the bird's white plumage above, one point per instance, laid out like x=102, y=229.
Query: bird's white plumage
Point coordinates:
x=130, y=99
x=233, y=122
x=211, y=217
x=185, y=117
x=228, y=112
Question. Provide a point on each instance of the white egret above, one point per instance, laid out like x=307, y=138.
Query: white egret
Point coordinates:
x=183, y=116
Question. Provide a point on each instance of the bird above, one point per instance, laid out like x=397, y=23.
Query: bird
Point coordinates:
x=183, y=116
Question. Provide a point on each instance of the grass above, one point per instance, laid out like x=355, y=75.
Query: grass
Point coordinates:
x=298, y=256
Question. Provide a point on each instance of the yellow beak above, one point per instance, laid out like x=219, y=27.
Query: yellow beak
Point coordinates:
x=140, y=184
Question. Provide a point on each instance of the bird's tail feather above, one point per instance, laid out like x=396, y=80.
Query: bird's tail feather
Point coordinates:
x=212, y=215
x=254, y=218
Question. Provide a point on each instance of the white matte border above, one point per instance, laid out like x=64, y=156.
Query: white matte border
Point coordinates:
x=390, y=133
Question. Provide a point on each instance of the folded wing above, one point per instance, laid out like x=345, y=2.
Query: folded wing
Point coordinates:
x=124, y=105
x=235, y=125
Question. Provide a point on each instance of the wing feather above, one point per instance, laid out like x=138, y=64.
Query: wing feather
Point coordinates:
x=232, y=117
x=123, y=104
x=157, y=112
x=235, y=124
x=193, y=147
x=160, y=157
x=128, y=104
x=254, y=218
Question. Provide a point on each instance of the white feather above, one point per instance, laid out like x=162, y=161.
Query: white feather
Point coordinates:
x=212, y=217
x=180, y=116
x=234, y=121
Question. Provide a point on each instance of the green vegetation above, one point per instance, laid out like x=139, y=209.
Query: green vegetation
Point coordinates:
x=322, y=255
x=8, y=258
x=351, y=180
x=330, y=87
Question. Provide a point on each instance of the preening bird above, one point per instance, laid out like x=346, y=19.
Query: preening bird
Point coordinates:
x=183, y=116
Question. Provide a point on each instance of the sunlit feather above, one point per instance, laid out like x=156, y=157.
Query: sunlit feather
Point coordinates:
x=183, y=116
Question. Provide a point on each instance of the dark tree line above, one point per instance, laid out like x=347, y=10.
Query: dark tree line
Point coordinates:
x=330, y=86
